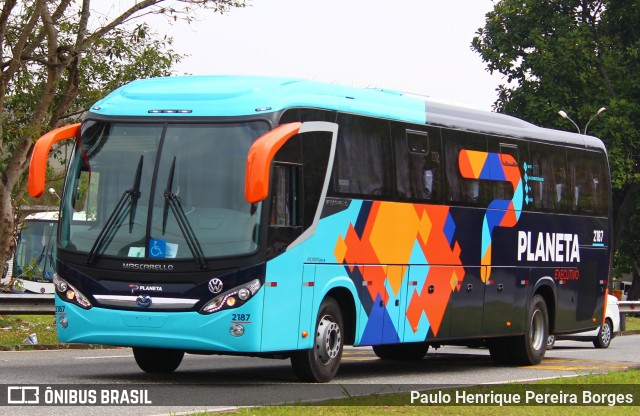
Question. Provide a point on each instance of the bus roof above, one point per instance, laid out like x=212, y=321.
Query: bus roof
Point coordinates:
x=206, y=96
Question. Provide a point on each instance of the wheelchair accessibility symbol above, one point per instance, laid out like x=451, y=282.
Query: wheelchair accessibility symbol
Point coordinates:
x=157, y=248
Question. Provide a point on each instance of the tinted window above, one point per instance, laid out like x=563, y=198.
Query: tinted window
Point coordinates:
x=418, y=161
x=461, y=190
x=589, y=180
x=362, y=166
x=548, y=179
x=511, y=154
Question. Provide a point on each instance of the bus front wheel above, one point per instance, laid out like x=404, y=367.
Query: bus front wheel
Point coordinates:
x=157, y=360
x=320, y=363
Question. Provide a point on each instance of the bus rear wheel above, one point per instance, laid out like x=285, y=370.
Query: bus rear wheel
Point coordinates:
x=157, y=360
x=529, y=348
x=412, y=351
x=320, y=363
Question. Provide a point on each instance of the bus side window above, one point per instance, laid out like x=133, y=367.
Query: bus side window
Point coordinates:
x=463, y=191
x=550, y=191
x=418, y=157
x=510, y=156
x=561, y=180
x=362, y=166
x=588, y=183
x=285, y=199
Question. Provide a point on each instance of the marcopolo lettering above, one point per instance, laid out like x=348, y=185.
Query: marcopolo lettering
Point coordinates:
x=148, y=267
x=548, y=247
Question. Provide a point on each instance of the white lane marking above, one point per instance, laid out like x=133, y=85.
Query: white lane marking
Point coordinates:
x=104, y=356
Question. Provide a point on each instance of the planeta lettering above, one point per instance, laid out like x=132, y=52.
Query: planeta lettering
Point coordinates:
x=548, y=247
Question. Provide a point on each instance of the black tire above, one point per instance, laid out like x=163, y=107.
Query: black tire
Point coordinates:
x=157, y=360
x=551, y=341
x=320, y=363
x=411, y=351
x=529, y=348
x=605, y=335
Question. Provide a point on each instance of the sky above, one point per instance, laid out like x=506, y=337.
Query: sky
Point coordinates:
x=417, y=46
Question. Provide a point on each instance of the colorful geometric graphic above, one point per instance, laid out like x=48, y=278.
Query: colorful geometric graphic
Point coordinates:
x=389, y=233
x=500, y=213
x=397, y=251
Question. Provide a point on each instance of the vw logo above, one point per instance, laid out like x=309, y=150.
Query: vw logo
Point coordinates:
x=215, y=285
x=144, y=301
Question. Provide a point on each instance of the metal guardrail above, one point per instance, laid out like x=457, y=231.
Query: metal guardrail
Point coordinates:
x=629, y=306
x=23, y=304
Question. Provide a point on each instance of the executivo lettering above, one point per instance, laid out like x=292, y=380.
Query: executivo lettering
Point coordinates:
x=148, y=267
x=548, y=247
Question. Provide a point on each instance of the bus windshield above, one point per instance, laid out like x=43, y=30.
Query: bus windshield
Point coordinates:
x=160, y=190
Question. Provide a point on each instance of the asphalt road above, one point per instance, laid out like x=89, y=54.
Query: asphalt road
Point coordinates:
x=217, y=382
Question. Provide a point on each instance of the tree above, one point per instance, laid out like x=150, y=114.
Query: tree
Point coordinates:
x=54, y=63
x=577, y=56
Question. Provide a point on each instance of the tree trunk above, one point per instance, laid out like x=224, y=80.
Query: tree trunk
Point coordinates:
x=634, y=290
x=7, y=220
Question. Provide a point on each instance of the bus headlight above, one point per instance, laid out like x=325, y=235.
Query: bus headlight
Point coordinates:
x=69, y=293
x=233, y=298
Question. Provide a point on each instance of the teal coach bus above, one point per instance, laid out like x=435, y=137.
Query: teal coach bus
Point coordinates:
x=281, y=217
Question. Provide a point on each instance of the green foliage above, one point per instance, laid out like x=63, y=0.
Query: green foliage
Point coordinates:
x=56, y=60
x=577, y=56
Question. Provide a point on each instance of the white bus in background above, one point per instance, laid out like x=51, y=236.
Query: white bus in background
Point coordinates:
x=34, y=262
x=6, y=274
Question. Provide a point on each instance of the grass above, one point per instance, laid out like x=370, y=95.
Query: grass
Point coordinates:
x=399, y=404
x=632, y=322
x=15, y=328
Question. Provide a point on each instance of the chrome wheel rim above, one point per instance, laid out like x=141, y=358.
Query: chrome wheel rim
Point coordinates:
x=605, y=334
x=328, y=340
x=537, y=330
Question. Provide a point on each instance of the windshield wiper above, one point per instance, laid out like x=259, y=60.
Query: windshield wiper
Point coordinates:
x=172, y=201
x=135, y=194
x=115, y=218
x=46, y=256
